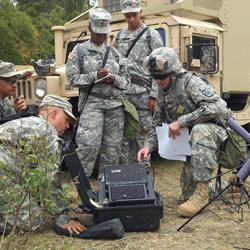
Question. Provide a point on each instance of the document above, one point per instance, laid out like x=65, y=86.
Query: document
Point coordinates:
x=173, y=149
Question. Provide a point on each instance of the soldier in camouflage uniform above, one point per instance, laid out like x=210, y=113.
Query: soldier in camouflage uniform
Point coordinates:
x=8, y=80
x=101, y=121
x=55, y=113
x=186, y=100
x=143, y=91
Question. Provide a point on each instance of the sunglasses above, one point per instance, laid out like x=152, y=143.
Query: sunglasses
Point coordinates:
x=160, y=77
x=11, y=80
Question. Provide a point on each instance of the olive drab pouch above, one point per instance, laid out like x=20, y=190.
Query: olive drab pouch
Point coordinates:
x=234, y=148
x=132, y=122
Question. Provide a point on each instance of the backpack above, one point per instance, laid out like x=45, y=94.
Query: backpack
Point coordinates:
x=233, y=151
x=132, y=122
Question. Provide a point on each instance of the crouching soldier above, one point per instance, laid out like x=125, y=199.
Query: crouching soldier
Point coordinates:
x=186, y=100
x=29, y=159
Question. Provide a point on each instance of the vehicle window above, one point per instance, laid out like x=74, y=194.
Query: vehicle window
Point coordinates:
x=200, y=40
x=162, y=32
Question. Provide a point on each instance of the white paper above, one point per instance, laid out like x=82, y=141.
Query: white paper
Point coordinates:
x=103, y=78
x=173, y=149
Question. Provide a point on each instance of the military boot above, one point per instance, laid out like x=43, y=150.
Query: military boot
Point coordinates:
x=196, y=201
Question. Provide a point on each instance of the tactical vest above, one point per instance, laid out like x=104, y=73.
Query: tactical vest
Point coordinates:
x=179, y=101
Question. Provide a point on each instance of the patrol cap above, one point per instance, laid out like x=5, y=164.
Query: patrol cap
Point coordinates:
x=8, y=70
x=57, y=101
x=129, y=6
x=100, y=21
x=163, y=61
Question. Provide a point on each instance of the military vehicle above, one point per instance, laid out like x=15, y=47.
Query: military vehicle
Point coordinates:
x=210, y=36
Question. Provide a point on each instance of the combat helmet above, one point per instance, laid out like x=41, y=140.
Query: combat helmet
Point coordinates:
x=162, y=62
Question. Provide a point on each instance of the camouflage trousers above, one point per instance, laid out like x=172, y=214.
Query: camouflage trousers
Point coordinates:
x=100, y=131
x=130, y=147
x=203, y=160
x=28, y=219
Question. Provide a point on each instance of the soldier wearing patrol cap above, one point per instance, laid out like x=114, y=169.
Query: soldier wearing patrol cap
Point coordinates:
x=8, y=80
x=143, y=91
x=186, y=100
x=55, y=114
x=101, y=85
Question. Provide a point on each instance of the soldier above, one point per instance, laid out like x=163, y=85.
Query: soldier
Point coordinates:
x=143, y=91
x=55, y=114
x=8, y=79
x=186, y=100
x=101, y=84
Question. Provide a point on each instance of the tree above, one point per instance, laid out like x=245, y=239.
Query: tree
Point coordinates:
x=25, y=26
x=71, y=8
x=18, y=34
x=45, y=14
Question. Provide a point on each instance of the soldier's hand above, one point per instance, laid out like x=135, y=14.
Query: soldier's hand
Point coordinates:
x=142, y=154
x=151, y=104
x=102, y=72
x=109, y=80
x=20, y=104
x=74, y=226
x=174, y=129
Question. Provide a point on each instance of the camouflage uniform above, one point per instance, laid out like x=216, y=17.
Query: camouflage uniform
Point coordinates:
x=7, y=70
x=142, y=83
x=6, y=108
x=31, y=128
x=101, y=121
x=192, y=102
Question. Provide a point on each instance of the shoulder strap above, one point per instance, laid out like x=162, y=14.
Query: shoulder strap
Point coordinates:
x=1, y=111
x=105, y=57
x=148, y=34
x=103, y=65
x=80, y=56
x=135, y=41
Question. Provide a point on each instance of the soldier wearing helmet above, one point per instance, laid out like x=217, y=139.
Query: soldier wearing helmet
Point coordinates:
x=187, y=100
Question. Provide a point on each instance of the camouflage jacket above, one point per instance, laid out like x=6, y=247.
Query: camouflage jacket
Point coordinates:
x=6, y=108
x=140, y=77
x=31, y=130
x=191, y=101
x=81, y=69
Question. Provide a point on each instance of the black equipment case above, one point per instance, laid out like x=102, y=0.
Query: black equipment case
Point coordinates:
x=126, y=192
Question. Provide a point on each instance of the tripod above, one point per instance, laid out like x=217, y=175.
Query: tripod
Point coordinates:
x=243, y=171
x=221, y=192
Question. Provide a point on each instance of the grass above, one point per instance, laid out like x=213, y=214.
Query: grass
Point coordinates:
x=216, y=228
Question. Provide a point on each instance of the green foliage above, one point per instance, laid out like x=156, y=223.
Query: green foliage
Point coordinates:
x=71, y=8
x=28, y=180
x=25, y=29
x=18, y=34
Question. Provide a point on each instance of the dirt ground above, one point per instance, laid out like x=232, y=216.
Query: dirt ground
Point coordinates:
x=216, y=228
